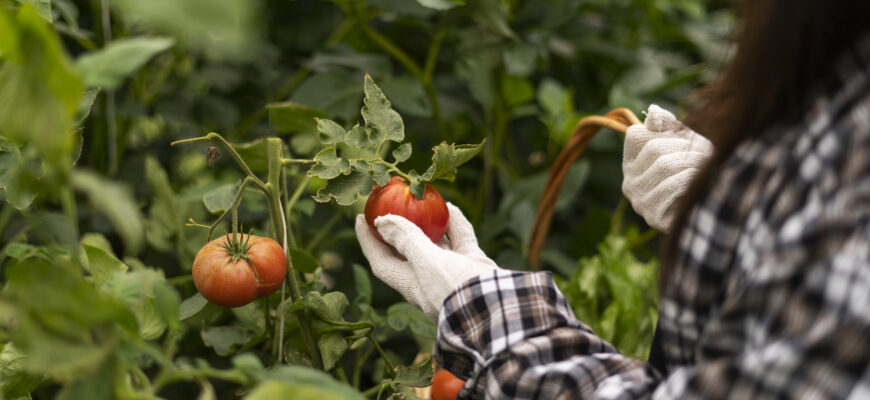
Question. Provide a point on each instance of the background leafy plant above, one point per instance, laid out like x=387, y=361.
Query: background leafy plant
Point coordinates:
x=97, y=300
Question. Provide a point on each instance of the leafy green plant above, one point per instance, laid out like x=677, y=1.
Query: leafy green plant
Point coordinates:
x=615, y=294
x=98, y=226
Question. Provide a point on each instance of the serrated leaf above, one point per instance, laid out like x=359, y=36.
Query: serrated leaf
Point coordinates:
x=329, y=307
x=220, y=198
x=364, y=140
x=379, y=115
x=293, y=117
x=447, y=158
x=346, y=189
x=330, y=132
x=402, y=153
x=329, y=165
x=417, y=375
x=109, y=66
x=302, y=261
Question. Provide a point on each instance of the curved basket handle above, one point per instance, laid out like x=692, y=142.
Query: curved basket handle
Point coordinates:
x=619, y=120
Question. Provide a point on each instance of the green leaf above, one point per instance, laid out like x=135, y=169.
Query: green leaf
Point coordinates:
x=272, y=389
x=447, y=158
x=42, y=7
x=407, y=95
x=57, y=315
x=404, y=315
x=14, y=381
x=328, y=307
x=191, y=306
x=516, y=90
x=332, y=346
x=39, y=89
x=347, y=188
x=167, y=302
x=116, y=201
x=164, y=228
x=441, y=4
x=379, y=115
x=221, y=29
x=297, y=375
x=328, y=165
x=302, y=261
x=363, y=285
x=417, y=375
x=102, y=265
x=86, y=104
x=224, y=339
x=491, y=14
x=138, y=290
x=220, y=198
x=109, y=66
x=334, y=91
x=402, y=153
x=294, y=117
x=14, y=174
x=519, y=59
x=329, y=132
x=97, y=385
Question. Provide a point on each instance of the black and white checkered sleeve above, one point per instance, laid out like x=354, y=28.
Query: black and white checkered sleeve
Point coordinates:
x=514, y=337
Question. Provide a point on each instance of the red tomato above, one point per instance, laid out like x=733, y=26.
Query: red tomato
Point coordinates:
x=446, y=386
x=430, y=214
x=233, y=273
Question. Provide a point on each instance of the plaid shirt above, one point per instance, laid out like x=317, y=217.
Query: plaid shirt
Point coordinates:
x=769, y=296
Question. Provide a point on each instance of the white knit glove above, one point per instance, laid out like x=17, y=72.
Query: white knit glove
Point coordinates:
x=660, y=159
x=422, y=271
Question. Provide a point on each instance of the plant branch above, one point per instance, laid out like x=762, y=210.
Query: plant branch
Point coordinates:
x=383, y=354
x=242, y=164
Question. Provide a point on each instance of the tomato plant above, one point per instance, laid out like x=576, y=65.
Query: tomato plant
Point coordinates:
x=445, y=385
x=429, y=213
x=232, y=271
x=98, y=221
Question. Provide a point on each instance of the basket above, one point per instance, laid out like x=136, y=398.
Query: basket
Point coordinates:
x=618, y=120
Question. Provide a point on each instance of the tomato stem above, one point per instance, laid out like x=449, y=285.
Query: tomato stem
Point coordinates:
x=279, y=225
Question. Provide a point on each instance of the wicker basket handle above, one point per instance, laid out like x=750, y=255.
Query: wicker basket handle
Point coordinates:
x=619, y=120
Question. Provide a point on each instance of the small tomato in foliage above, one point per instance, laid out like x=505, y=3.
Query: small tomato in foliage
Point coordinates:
x=446, y=386
x=430, y=213
x=233, y=270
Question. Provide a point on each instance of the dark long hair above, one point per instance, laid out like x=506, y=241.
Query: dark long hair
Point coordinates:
x=785, y=52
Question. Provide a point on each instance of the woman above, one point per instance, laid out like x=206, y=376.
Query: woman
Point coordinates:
x=765, y=284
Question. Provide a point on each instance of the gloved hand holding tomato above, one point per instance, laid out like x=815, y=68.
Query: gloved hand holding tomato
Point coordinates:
x=406, y=250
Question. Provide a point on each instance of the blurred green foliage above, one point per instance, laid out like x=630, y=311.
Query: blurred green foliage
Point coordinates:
x=95, y=243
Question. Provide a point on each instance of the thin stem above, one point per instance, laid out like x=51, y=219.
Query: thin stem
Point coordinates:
x=296, y=161
x=236, y=156
x=432, y=55
x=383, y=354
x=373, y=390
x=232, y=208
x=360, y=362
x=68, y=203
x=281, y=326
x=322, y=232
x=279, y=224
x=339, y=373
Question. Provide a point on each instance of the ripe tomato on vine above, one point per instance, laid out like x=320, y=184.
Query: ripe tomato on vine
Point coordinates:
x=235, y=269
x=429, y=213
